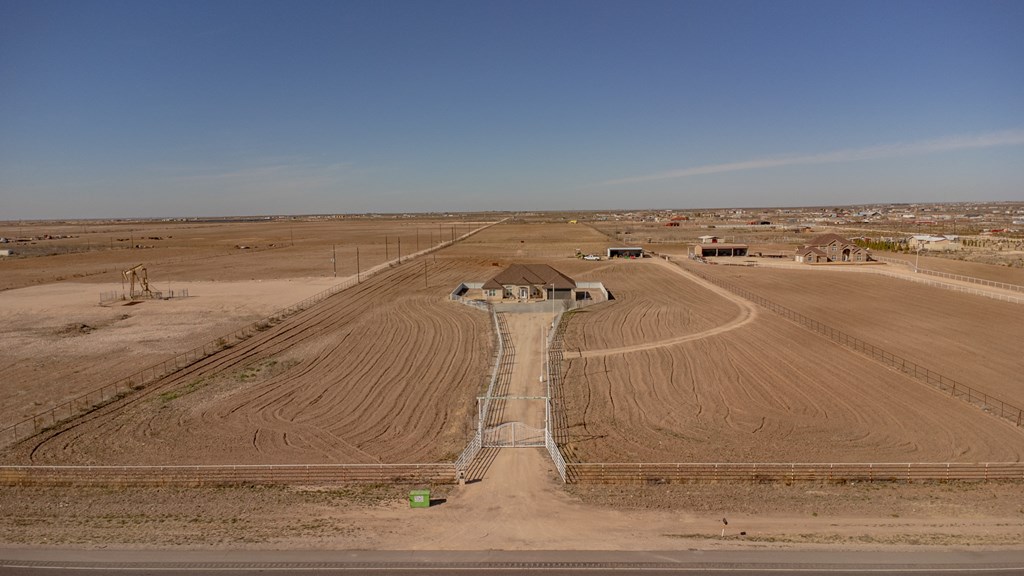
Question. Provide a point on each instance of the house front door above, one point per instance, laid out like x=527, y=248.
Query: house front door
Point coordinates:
x=524, y=292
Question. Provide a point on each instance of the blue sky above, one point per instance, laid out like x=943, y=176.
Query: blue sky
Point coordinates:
x=178, y=108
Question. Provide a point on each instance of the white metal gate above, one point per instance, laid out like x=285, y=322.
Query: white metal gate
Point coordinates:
x=513, y=435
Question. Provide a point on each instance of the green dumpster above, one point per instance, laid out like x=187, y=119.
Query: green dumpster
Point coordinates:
x=419, y=498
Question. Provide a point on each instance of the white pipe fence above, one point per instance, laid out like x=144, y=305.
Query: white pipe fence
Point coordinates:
x=476, y=443
x=957, y=277
x=908, y=277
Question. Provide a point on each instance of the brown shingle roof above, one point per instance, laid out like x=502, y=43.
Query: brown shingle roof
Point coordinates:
x=530, y=274
x=825, y=239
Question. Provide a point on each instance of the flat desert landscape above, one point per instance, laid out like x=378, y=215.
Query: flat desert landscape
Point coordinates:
x=673, y=368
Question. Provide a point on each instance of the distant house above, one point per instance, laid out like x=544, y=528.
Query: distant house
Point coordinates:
x=6, y=252
x=523, y=282
x=831, y=248
x=946, y=243
x=707, y=239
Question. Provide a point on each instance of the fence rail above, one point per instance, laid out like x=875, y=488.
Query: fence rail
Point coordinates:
x=657, y=473
x=46, y=419
x=908, y=277
x=556, y=454
x=959, y=390
x=465, y=459
x=226, y=475
x=957, y=277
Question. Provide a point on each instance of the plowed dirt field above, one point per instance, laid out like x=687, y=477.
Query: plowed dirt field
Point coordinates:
x=766, y=391
x=384, y=372
x=972, y=339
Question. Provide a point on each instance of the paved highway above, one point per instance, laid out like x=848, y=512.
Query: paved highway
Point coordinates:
x=38, y=562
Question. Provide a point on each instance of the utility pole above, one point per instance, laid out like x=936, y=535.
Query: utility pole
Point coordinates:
x=417, y=239
x=334, y=258
x=399, y=249
x=385, y=249
x=357, y=265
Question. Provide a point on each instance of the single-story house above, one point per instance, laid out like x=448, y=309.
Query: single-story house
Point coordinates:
x=522, y=282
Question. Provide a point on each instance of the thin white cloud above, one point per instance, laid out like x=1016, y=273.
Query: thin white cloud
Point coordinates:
x=965, y=142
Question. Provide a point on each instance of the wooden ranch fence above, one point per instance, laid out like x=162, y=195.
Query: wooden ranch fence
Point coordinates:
x=215, y=475
x=642, y=473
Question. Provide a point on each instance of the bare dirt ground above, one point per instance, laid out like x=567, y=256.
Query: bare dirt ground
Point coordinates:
x=346, y=379
x=695, y=297
x=766, y=391
x=531, y=511
x=972, y=339
x=58, y=343
x=383, y=372
x=649, y=307
x=974, y=269
x=221, y=251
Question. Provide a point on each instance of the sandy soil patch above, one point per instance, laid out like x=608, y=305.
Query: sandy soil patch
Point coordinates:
x=60, y=343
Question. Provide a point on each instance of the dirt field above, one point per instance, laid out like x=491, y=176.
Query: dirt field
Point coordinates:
x=388, y=371
x=764, y=391
x=530, y=511
x=972, y=339
x=214, y=251
x=373, y=374
x=973, y=269
x=650, y=305
x=59, y=343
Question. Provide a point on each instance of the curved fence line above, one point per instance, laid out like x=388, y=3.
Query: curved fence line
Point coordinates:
x=659, y=473
x=973, y=396
x=120, y=388
x=282, y=474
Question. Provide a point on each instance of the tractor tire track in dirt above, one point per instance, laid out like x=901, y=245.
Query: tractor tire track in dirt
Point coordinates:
x=369, y=375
